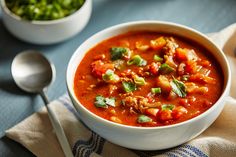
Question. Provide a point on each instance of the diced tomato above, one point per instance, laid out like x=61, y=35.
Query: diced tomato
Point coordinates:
x=181, y=54
x=191, y=67
x=197, y=77
x=183, y=102
x=152, y=111
x=171, y=96
x=99, y=68
x=205, y=63
x=164, y=115
x=177, y=112
x=158, y=43
x=154, y=67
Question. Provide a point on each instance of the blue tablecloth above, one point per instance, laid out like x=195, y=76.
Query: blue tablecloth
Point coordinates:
x=15, y=105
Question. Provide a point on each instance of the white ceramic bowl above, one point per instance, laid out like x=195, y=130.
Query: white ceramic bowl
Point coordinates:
x=149, y=138
x=47, y=32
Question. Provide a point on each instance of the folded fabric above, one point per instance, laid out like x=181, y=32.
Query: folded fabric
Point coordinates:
x=219, y=140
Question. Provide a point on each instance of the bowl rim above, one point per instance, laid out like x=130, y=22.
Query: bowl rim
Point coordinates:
x=41, y=22
x=224, y=94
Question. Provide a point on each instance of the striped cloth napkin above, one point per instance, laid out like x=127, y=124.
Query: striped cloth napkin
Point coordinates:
x=219, y=140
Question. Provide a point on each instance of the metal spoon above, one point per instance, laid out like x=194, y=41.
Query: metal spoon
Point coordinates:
x=33, y=73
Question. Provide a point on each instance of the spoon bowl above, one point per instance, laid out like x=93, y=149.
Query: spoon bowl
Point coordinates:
x=32, y=71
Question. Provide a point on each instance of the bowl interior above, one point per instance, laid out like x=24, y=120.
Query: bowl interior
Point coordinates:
x=162, y=27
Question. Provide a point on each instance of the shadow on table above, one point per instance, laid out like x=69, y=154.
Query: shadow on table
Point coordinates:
x=10, y=46
x=10, y=86
x=12, y=149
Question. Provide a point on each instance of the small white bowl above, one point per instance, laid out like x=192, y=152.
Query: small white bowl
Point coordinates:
x=149, y=138
x=47, y=32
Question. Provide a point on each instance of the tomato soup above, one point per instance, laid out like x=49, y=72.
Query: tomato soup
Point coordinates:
x=148, y=79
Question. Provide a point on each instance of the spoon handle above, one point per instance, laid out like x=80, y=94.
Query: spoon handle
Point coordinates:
x=57, y=128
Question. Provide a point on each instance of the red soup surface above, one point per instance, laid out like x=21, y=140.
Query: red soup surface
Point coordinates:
x=148, y=79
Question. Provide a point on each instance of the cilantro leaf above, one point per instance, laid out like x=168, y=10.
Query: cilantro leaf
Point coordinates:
x=178, y=88
x=110, y=101
x=103, y=102
x=128, y=86
x=117, y=52
x=144, y=119
x=100, y=102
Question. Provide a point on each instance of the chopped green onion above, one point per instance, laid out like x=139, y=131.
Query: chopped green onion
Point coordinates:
x=137, y=60
x=166, y=69
x=144, y=119
x=167, y=107
x=110, y=101
x=185, y=77
x=128, y=86
x=119, y=52
x=110, y=77
x=43, y=9
x=157, y=58
x=139, y=80
x=178, y=88
x=156, y=90
x=100, y=102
